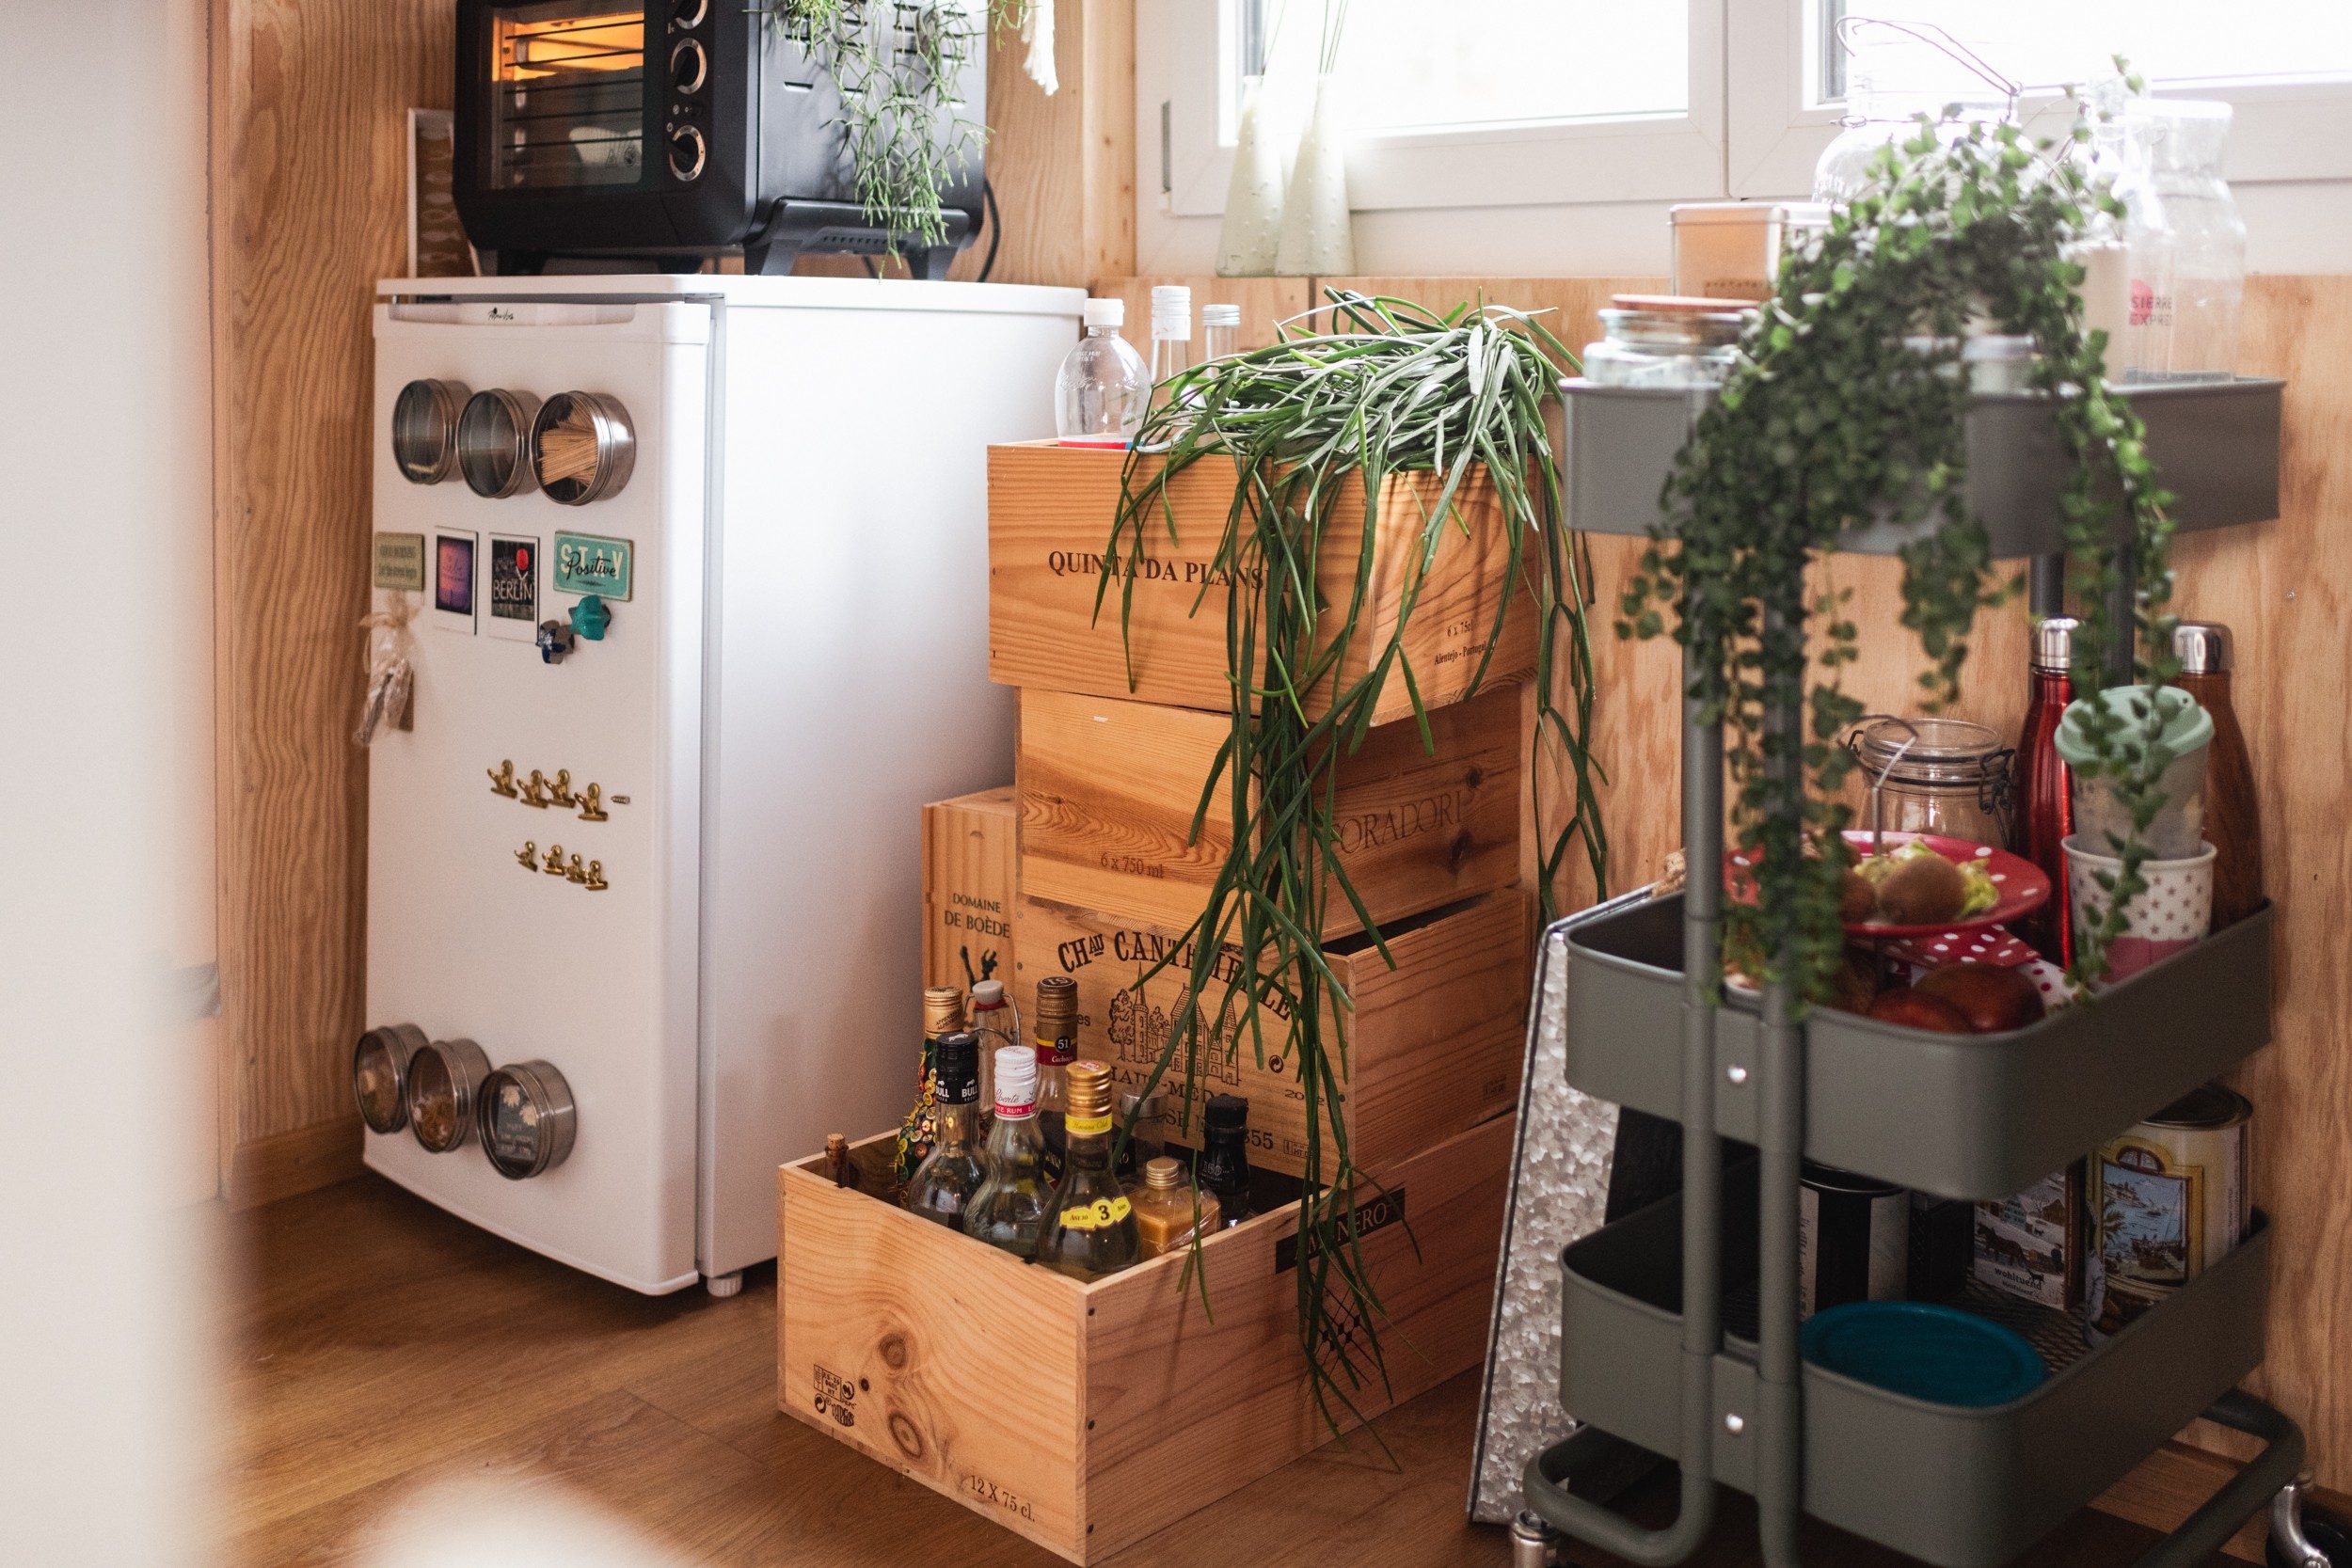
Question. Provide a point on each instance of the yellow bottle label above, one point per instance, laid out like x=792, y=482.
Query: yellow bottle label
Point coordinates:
x=1101, y=1214
x=1080, y=1127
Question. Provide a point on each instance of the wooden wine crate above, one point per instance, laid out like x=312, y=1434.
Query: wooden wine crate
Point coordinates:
x=1088, y=1416
x=1107, y=791
x=1051, y=509
x=1434, y=1045
x=970, y=871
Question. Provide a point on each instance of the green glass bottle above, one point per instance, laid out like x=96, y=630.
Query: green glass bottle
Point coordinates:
x=1009, y=1210
x=942, y=1187
x=1091, y=1224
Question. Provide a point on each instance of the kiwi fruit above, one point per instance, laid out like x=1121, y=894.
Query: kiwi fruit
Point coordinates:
x=1856, y=899
x=1923, y=890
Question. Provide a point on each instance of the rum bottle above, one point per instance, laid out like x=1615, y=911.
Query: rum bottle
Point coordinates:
x=1009, y=1208
x=942, y=1014
x=1056, y=1048
x=1090, y=1223
x=942, y=1188
x=1225, y=1156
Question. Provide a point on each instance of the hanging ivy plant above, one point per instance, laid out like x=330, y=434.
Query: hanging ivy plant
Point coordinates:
x=1830, y=420
x=895, y=65
x=1390, y=389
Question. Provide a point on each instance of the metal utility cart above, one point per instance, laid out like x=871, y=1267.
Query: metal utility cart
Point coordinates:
x=1680, y=1321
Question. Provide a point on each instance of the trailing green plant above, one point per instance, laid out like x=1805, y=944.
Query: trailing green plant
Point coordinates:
x=1311, y=428
x=1829, y=421
x=896, y=64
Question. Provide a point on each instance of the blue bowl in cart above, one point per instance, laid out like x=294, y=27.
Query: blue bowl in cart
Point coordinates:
x=1925, y=1352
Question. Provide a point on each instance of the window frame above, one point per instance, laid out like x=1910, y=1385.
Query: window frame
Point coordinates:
x=1506, y=163
x=2282, y=131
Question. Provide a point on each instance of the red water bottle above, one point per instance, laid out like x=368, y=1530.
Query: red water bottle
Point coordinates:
x=2045, y=785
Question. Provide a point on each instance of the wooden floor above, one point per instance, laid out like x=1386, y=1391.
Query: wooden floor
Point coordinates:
x=379, y=1344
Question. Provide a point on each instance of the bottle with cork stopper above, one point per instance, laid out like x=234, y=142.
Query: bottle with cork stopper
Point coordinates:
x=1091, y=1223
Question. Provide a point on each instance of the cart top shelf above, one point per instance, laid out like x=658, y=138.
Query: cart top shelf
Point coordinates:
x=2216, y=443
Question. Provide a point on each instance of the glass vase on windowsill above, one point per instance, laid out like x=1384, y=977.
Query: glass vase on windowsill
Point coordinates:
x=1252, y=233
x=1318, y=237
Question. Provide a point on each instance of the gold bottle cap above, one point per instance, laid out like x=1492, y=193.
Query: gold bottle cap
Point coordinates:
x=1089, y=1095
x=1165, y=1172
x=1056, y=1004
x=943, y=1011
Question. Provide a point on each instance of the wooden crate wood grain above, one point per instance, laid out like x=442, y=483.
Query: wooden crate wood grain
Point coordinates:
x=1107, y=791
x=969, y=871
x=1088, y=1416
x=1434, y=1045
x=1051, y=509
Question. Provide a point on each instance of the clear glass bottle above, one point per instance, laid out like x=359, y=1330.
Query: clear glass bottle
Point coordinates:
x=1171, y=1210
x=2184, y=240
x=1090, y=1223
x=1225, y=1156
x=942, y=1014
x=997, y=1023
x=1056, y=1048
x=1220, y=332
x=1009, y=1210
x=1104, y=388
x=942, y=1186
x=1171, y=342
x=1143, y=1131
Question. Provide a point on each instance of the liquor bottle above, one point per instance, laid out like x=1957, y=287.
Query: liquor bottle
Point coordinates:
x=997, y=1023
x=1143, y=1136
x=2232, y=819
x=1090, y=1223
x=1225, y=1156
x=942, y=1014
x=1009, y=1208
x=1056, y=1048
x=1169, y=1210
x=2045, y=789
x=839, y=1165
x=942, y=1187
x=1171, y=345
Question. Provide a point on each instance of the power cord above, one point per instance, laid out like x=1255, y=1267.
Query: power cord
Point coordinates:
x=996, y=227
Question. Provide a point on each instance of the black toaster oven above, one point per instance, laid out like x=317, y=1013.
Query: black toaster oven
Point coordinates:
x=664, y=132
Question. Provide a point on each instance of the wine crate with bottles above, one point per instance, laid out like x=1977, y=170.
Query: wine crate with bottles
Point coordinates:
x=1087, y=1414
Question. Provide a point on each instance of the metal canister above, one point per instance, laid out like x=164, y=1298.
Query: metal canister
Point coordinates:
x=1853, y=1239
x=2171, y=1196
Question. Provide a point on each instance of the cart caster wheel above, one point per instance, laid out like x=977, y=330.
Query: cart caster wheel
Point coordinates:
x=1534, y=1542
x=2325, y=1537
x=724, y=1285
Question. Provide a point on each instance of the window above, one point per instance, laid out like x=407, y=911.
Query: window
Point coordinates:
x=1510, y=103
x=1532, y=102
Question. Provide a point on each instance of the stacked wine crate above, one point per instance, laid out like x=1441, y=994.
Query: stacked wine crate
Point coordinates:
x=1122, y=713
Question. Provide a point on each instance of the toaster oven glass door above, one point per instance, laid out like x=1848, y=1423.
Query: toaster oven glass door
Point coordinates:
x=567, y=94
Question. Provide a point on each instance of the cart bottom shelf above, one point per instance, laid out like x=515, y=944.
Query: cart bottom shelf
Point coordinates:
x=1958, y=1487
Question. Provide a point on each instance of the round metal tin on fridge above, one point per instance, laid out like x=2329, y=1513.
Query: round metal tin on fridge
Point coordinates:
x=493, y=443
x=424, y=430
x=527, y=1119
x=582, y=447
x=379, y=1076
x=444, y=1082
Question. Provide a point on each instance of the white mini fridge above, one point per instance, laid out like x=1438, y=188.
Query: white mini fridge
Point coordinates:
x=696, y=572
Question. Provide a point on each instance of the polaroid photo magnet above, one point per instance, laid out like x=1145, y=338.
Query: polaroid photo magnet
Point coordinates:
x=453, y=581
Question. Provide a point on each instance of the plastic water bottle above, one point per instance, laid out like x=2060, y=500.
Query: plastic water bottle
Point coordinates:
x=1104, y=388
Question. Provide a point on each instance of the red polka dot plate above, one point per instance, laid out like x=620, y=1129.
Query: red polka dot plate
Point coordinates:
x=2020, y=884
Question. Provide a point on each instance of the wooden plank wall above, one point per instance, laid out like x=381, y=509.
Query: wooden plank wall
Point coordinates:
x=2285, y=588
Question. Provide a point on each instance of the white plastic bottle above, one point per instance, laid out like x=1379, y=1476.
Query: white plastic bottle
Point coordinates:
x=1104, y=388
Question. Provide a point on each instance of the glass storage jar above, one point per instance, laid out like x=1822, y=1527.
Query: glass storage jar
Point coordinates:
x=1665, y=340
x=2184, y=240
x=1931, y=776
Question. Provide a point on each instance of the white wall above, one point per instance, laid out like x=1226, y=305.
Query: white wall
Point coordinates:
x=2292, y=228
x=106, y=776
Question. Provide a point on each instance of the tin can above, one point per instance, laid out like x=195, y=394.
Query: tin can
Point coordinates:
x=1853, y=1239
x=2035, y=1245
x=2172, y=1195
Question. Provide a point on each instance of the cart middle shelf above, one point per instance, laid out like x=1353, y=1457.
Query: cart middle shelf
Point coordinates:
x=1958, y=1116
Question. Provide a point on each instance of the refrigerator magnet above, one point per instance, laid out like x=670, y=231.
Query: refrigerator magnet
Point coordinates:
x=591, y=563
x=453, y=581
x=513, y=610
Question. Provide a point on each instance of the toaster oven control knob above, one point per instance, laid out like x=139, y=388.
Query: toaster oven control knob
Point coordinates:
x=690, y=67
x=687, y=151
